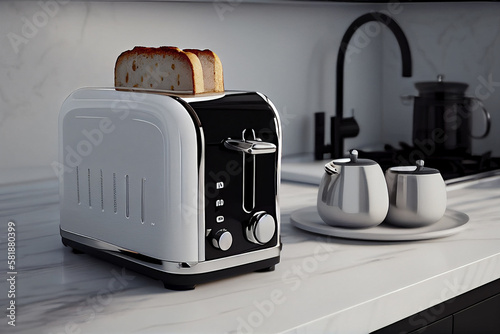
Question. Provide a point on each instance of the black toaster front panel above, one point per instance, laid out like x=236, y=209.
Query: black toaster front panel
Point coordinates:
x=241, y=170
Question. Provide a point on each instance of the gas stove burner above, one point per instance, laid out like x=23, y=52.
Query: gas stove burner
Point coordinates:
x=451, y=164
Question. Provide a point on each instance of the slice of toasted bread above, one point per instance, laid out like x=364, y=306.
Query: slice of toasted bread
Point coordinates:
x=212, y=69
x=166, y=68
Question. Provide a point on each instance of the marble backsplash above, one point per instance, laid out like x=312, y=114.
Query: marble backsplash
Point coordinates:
x=50, y=48
x=286, y=51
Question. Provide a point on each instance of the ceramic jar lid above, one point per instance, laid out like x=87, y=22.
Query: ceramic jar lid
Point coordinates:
x=353, y=161
x=419, y=169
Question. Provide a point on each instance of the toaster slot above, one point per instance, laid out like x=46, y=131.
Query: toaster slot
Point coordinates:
x=102, y=192
x=127, y=197
x=89, y=187
x=248, y=182
x=115, y=200
x=78, y=186
x=143, y=192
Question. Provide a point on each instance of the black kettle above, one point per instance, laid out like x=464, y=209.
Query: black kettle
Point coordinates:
x=442, y=118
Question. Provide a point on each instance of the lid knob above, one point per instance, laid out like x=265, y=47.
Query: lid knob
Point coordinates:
x=353, y=155
x=420, y=165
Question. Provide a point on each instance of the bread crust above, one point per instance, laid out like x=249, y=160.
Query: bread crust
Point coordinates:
x=164, y=51
x=197, y=72
x=218, y=74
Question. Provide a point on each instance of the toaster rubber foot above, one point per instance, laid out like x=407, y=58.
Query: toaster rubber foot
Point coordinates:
x=76, y=251
x=178, y=287
x=73, y=250
x=265, y=270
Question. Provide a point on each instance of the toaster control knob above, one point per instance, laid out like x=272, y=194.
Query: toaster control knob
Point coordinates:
x=261, y=228
x=222, y=239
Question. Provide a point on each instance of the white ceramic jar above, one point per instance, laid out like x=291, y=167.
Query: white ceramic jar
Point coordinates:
x=353, y=193
x=417, y=195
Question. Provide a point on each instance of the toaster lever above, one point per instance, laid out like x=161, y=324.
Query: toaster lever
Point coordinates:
x=249, y=149
x=250, y=146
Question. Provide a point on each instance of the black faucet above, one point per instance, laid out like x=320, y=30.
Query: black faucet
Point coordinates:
x=348, y=127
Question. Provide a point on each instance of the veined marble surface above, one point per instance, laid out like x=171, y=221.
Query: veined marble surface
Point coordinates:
x=321, y=285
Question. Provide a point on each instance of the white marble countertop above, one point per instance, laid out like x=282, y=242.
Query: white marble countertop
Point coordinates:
x=321, y=285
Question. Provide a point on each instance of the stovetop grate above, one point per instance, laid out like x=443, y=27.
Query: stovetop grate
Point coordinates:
x=450, y=164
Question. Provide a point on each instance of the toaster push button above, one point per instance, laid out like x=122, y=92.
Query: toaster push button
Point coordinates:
x=222, y=239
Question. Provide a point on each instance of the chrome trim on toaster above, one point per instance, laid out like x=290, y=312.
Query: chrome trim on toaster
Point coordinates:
x=201, y=198
x=179, y=268
x=201, y=175
x=277, y=123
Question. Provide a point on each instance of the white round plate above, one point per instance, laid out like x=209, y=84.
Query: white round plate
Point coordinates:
x=452, y=222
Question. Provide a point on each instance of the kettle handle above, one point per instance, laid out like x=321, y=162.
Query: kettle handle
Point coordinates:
x=488, y=119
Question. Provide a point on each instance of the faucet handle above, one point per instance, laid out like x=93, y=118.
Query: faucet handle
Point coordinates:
x=349, y=127
x=341, y=129
x=320, y=148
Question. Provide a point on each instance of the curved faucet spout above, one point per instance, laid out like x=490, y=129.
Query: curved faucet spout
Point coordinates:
x=343, y=128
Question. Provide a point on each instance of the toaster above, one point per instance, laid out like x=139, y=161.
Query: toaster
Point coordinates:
x=181, y=188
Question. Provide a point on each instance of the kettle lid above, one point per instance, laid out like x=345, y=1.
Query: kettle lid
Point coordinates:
x=430, y=88
x=418, y=169
x=353, y=160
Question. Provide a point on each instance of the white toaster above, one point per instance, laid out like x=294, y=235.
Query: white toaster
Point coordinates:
x=180, y=188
